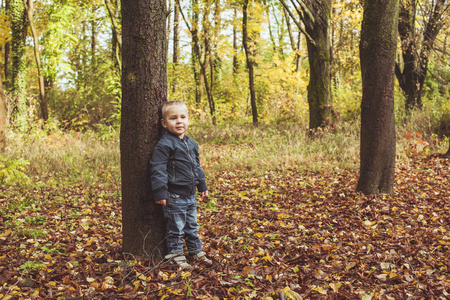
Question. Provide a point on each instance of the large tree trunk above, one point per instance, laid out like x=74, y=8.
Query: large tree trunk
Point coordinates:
x=249, y=54
x=44, y=108
x=377, y=53
x=144, y=89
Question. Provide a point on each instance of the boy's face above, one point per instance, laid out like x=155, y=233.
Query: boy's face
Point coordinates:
x=176, y=120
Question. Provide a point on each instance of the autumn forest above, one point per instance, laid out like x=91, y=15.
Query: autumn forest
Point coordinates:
x=323, y=128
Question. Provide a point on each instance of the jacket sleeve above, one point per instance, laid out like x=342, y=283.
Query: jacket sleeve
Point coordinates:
x=158, y=171
x=201, y=174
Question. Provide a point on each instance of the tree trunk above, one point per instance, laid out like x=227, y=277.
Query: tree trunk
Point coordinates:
x=194, y=46
x=197, y=53
x=235, y=47
x=249, y=53
x=377, y=53
x=18, y=22
x=44, y=108
x=116, y=33
x=144, y=90
x=176, y=45
x=7, y=59
x=2, y=116
x=7, y=55
x=316, y=17
x=415, y=55
x=319, y=54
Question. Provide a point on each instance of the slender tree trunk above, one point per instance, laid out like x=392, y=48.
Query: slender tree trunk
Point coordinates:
x=195, y=48
x=235, y=47
x=2, y=116
x=176, y=44
x=7, y=54
x=295, y=43
x=198, y=55
x=144, y=90
x=250, y=62
x=116, y=33
x=7, y=59
x=377, y=53
x=44, y=108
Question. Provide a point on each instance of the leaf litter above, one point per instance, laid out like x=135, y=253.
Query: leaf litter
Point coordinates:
x=281, y=235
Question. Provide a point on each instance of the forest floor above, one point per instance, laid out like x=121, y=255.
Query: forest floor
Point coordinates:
x=276, y=236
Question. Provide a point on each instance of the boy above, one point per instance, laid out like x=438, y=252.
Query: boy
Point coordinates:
x=176, y=174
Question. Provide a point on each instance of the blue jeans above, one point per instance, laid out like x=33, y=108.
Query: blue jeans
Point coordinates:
x=181, y=216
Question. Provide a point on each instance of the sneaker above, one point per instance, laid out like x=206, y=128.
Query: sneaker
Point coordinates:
x=177, y=259
x=201, y=258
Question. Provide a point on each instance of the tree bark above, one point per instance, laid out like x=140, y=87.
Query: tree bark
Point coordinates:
x=18, y=23
x=377, y=53
x=176, y=45
x=116, y=33
x=44, y=108
x=250, y=62
x=415, y=55
x=316, y=15
x=235, y=47
x=144, y=90
x=319, y=54
x=7, y=55
x=193, y=29
x=2, y=116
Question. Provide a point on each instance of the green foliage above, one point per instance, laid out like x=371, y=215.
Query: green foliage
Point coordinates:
x=13, y=170
x=31, y=266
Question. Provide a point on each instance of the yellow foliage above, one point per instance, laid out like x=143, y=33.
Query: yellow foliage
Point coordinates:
x=5, y=29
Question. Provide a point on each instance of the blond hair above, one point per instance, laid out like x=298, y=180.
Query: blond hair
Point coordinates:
x=170, y=104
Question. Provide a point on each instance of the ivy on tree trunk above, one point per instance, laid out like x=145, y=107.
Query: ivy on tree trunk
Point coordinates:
x=18, y=22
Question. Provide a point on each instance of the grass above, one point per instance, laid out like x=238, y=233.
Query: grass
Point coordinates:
x=58, y=157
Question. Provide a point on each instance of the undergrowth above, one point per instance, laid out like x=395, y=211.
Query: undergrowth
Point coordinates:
x=51, y=154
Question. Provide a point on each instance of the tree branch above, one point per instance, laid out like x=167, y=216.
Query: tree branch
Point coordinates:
x=310, y=39
x=184, y=17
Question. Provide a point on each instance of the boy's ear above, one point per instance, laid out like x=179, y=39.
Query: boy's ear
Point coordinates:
x=163, y=123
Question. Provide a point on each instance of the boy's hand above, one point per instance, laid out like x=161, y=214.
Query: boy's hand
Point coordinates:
x=205, y=194
x=162, y=202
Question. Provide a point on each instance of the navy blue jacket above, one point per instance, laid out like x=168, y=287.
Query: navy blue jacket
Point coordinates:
x=175, y=167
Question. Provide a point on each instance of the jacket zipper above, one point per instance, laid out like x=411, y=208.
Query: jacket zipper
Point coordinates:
x=173, y=167
x=192, y=164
